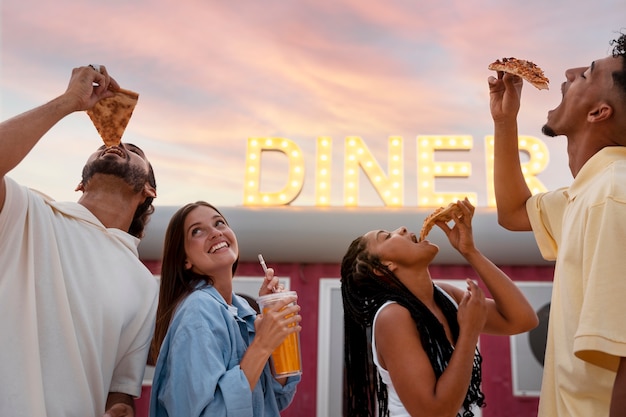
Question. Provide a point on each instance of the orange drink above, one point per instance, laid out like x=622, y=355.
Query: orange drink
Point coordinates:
x=286, y=358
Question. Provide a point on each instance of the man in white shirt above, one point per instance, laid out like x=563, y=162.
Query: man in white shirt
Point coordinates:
x=77, y=304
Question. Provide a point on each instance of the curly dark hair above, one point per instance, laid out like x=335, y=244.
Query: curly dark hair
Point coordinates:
x=363, y=293
x=619, y=50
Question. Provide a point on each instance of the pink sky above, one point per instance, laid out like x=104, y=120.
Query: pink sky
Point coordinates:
x=211, y=74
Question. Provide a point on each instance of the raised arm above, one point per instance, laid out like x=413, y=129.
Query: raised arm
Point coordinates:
x=400, y=351
x=21, y=133
x=510, y=187
x=508, y=310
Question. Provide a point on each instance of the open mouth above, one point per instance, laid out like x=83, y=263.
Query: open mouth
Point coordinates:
x=217, y=247
x=114, y=150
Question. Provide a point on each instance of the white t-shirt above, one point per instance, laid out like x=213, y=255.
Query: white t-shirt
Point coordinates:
x=77, y=308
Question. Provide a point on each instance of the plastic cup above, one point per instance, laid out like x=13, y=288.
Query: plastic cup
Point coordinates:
x=286, y=359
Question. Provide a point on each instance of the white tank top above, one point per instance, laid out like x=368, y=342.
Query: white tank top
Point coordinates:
x=396, y=408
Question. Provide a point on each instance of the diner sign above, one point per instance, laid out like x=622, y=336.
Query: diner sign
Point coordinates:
x=389, y=183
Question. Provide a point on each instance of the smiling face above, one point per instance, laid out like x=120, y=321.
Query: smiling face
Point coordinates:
x=210, y=244
x=400, y=248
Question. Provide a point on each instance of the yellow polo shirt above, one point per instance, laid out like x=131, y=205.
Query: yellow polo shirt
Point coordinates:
x=583, y=228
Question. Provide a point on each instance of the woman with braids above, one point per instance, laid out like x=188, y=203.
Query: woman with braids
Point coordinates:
x=423, y=335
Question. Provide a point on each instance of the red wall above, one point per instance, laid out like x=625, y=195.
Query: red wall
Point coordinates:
x=304, y=278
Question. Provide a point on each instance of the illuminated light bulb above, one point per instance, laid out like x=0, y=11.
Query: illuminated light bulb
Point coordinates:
x=538, y=157
x=295, y=180
x=430, y=169
x=323, y=170
x=358, y=156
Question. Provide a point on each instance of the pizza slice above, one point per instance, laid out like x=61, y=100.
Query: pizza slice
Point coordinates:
x=444, y=214
x=111, y=115
x=527, y=70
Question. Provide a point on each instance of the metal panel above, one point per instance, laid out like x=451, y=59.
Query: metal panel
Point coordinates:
x=322, y=235
x=527, y=349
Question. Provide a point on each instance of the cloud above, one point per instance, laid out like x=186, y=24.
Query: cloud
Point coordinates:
x=211, y=74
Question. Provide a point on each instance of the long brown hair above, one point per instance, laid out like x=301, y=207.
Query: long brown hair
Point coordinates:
x=176, y=281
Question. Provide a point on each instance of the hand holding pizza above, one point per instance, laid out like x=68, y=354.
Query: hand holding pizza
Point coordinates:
x=505, y=91
x=505, y=94
x=88, y=86
x=460, y=234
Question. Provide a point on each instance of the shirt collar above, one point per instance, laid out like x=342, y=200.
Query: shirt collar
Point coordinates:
x=598, y=162
x=242, y=309
x=80, y=212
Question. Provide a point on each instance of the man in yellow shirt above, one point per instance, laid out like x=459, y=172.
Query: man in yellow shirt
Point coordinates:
x=582, y=227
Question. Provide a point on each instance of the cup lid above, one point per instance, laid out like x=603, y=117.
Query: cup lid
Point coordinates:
x=275, y=296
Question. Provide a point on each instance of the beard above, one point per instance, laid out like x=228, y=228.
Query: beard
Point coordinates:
x=548, y=131
x=130, y=174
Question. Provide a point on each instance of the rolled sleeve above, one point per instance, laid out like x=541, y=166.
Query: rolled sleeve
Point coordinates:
x=545, y=212
x=285, y=393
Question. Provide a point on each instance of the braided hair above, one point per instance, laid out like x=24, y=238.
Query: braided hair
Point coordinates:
x=363, y=292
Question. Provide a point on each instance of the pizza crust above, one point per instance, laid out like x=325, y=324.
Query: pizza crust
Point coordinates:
x=111, y=115
x=444, y=214
x=527, y=70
